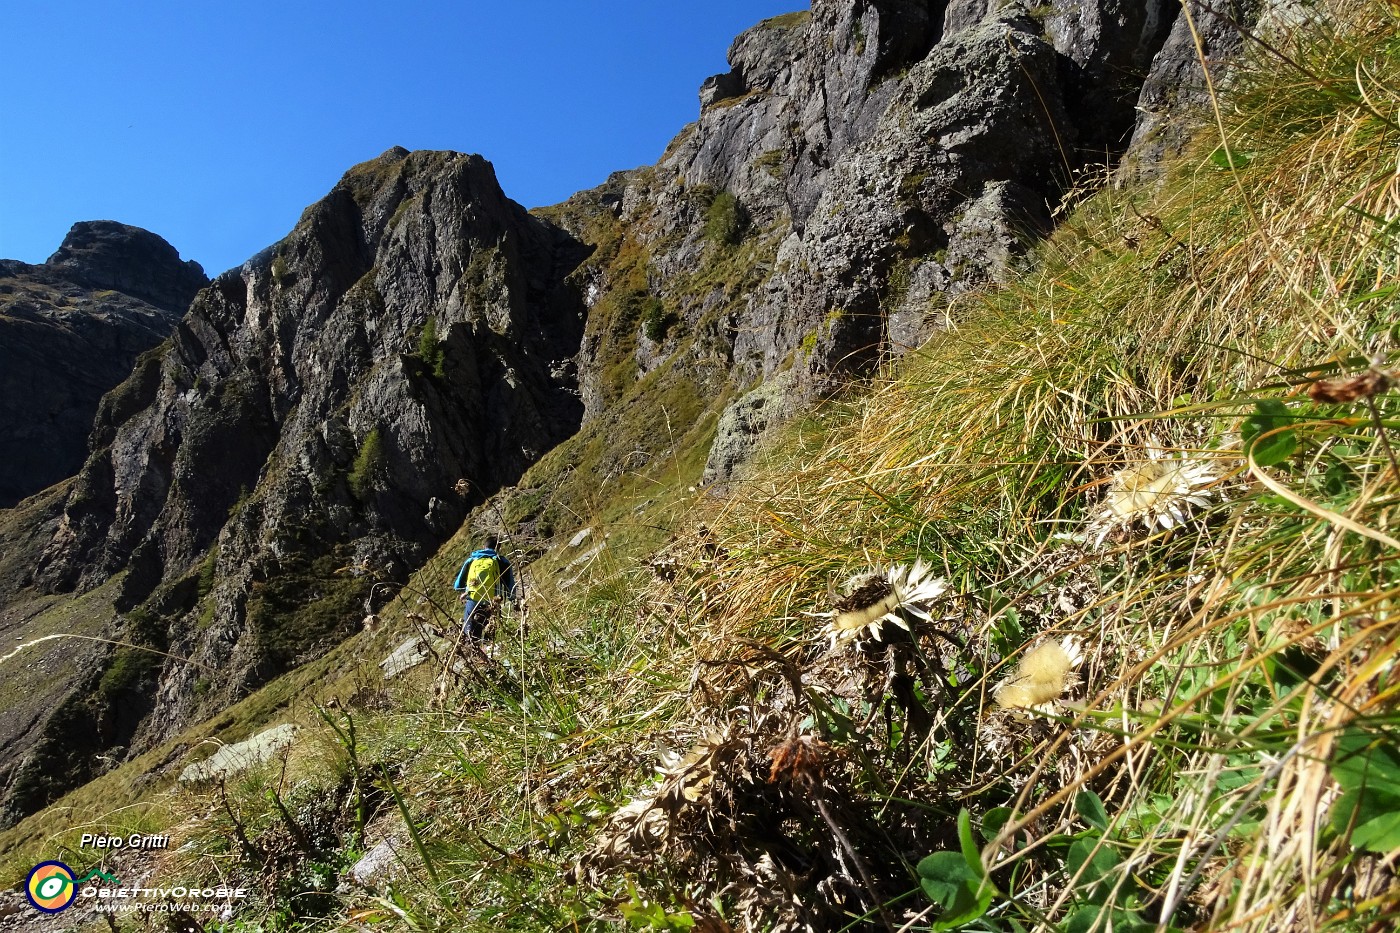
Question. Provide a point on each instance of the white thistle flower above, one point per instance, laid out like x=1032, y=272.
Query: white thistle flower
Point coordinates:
x=883, y=595
x=1160, y=491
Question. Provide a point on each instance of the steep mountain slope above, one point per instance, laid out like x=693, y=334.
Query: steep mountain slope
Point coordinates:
x=320, y=419
x=325, y=416
x=859, y=167
x=70, y=330
x=1115, y=647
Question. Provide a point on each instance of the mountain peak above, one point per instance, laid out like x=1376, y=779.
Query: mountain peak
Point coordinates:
x=105, y=254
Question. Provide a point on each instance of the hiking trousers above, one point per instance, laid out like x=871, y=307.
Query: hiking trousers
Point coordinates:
x=474, y=616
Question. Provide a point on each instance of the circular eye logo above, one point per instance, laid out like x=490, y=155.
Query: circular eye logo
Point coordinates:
x=50, y=887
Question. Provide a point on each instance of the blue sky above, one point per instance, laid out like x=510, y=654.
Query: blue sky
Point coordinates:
x=215, y=123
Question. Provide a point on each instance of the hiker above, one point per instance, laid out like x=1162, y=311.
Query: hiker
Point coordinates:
x=485, y=577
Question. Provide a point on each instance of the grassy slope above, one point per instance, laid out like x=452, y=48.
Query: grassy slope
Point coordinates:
x=1225, y=660
x=1194, y=767
x=141, y=795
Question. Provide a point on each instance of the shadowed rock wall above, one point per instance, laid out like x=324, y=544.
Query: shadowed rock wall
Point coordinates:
x=70, y=330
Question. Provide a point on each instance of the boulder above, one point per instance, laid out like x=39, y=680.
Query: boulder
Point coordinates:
x=379, y=865
x=241, y=756
x=405, y=657
x=745, y=422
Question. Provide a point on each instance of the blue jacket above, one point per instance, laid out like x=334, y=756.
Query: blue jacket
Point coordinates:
x=505, y=587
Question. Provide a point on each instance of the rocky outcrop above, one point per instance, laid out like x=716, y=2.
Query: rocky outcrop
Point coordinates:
x=874, y=156
x=70, y=330
x=1110, y=46
x=103, y=254
x=1174, y=97
x=882, y=157
x=982, y=112
x=744, y=422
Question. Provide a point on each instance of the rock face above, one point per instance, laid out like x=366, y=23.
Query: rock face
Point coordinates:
x=70, y=330
x=876, y=156
x=881, y=156
x=105, y=254
x=407, y=334
x=1176, y=88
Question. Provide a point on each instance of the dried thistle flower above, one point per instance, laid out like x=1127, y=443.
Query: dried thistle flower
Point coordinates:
x=1349, y=389
x=1160, y=492
x=880, y=596
x=798, y=759
x=691, y=774
x=1042, y=676
x=666, y=568
x=651, y=819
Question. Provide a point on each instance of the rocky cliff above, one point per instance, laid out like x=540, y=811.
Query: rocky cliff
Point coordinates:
x=901, y=153
x=70, y=330
x=324, y=417
x=859, y=166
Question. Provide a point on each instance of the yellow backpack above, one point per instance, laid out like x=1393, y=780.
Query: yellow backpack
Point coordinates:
x=483, y=573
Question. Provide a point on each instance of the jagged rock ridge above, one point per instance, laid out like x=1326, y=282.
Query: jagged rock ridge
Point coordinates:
x=883, y=156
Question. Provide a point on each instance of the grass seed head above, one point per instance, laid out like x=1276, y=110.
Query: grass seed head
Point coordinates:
x=1351, y=388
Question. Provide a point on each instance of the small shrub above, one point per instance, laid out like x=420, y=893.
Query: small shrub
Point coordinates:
x=725, y=220
x=206, y=572
x=657, y=321
x=305, y=610
x=430, y=351
x=240, y=502
x=129, y=668
x=281, y=272
x=368, y=463
x=145, y=628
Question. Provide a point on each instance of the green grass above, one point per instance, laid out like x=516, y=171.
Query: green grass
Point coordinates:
x=787, y=20
x=1217, y=675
